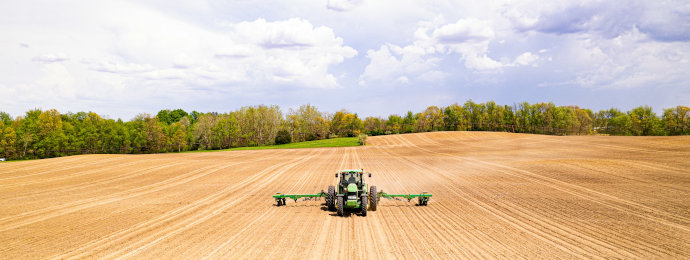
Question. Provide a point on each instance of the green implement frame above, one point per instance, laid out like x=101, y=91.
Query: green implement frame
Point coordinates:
x=280, y=197
x=423, y=198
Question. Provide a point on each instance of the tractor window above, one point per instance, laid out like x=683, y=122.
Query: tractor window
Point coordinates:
x=351, y=177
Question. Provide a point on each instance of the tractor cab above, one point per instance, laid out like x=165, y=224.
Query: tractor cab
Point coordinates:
x=348, y=177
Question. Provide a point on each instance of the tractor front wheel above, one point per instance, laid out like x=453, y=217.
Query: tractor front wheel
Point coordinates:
x=373, y=199
x=330, y=198
x=340, y=206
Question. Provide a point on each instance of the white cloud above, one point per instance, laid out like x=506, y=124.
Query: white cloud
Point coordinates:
x=342, y=5
x=434, y=41
x=292, y=51
x=526, y=58
x=630, y=60
x=160, y=53
x=400, y=63
x=50, y=58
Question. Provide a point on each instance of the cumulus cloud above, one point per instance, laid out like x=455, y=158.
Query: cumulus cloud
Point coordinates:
x=661, y=20
x=166, y=53
x=291, y=50
x=469, y=38
x=400, y=63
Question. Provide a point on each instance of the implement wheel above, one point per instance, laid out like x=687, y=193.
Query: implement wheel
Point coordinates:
x=373, y=200
x=330, y=198
x=365, y=198
x=340, y=205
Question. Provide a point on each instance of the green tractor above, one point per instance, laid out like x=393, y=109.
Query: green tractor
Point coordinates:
x=352, y=193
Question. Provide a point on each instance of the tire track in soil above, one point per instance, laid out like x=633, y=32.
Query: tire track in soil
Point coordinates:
x=325, y=238
x=373, y=237
x=391, y=214
x=61, y=170
x=223, y=222
x=34, y=216
x=295, y=229
x=552, y=239
x=465, y=218
x=205, y=214
x=585, y=192
x=442, y=217
x=130, y=233
x=40, y=163
x=406, y=211
x=547, y=217
x=62, y=189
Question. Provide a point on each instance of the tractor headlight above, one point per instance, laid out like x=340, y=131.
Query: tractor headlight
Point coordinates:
x=352, y=197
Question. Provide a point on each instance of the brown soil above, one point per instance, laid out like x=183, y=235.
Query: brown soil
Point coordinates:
x=495, y=195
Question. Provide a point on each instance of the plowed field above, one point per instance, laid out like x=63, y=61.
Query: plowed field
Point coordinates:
x=495, y=195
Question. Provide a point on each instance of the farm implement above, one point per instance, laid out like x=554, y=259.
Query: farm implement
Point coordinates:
x=351, y=193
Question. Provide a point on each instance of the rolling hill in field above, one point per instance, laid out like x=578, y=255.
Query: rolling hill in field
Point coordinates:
x=495, y=195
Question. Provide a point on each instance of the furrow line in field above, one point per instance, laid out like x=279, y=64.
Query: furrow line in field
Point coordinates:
x=205, y=214
x=277, y=227
x=34, y=216
x=553, y=239
x=403, y=221
x=248, y=227
x=589, y=238
x=41, y=163
x=595, y=231
x=586, y=193
x=301, y=183
x=136, y=173
x=150, y=224
x=61, y=169
x=447, y=219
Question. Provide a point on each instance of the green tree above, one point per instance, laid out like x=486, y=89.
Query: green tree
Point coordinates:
x=283, y=137
x=27, y=131
x=307, y=123
x=453, y=117
x=8, y=142
x=676, y=121
x=430, y=120
x=50, y=136
x=644, y=121
x=409, y=121
x=394, y=124
x=5, y=118
x=374, y=125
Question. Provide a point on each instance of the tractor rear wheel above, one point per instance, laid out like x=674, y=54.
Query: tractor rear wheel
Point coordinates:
x=364, y=205
x=330, y=198
x=340, y=206
x=373, y=199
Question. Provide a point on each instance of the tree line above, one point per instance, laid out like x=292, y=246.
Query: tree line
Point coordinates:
x=42, y=134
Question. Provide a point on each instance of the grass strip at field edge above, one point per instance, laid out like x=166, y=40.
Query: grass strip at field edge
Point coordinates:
x=335, y=142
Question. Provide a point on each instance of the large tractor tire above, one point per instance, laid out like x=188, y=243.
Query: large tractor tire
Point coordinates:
x=373, y=200
x=340, y=206
x=330, y=198
x=365, y=198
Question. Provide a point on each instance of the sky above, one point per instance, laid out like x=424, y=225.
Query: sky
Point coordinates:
x=375, y=58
